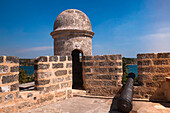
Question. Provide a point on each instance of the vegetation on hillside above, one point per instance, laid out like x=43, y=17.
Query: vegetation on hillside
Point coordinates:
x=26, y=62
x=126, y=70
x=24, y=77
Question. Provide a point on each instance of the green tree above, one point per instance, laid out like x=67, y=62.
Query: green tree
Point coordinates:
x=125, y=70
x=24, y=77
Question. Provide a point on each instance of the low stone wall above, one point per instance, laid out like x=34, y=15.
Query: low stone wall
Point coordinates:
x=102, y=74
x=9, y=73
x=153, y=68
x=53, y=73
x=53, y=76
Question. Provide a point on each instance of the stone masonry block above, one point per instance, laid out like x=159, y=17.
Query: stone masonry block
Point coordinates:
x=61, y=72
x=162, y=69
x=99, y=76
x=69, y=58
x=96, y=83
x=9, y=78
x=146, y=56
x=103, y=63
x=39, y=75
x=14, y=87
x=53, y=58
x=62, y=58
x=69, y=65
x=68, y=78
x=58, y=65
x=3, y=69
x=115, y=57
x=163, y=55
x=43, y=66
x=42, y=82
x=101, y=70
x=87, y=57
x=110, y=83
x=70, y=71
x=145, y=69
x=41, y=59
x=1, y=59
x=87, y=70
x=57, y=80
x=100, y=57
x=15, y=69
x=88, y=63
x=89, y=76
x=64, y=85
x=11, y=59
x=145, y=62
x=160, y=62
x=4, y=89
x=117, y=77
x=115, y=70
x=8, y=97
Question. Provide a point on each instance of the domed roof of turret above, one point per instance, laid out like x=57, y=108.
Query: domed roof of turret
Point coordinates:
x=72, y=19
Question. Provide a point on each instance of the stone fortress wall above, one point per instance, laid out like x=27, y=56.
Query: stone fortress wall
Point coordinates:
x=53, y=82
x=101, y=75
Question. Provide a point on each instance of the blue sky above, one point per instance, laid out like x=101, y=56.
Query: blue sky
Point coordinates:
x=126, y=27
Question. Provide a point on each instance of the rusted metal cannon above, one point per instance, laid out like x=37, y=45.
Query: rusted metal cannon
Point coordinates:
x=124, y=102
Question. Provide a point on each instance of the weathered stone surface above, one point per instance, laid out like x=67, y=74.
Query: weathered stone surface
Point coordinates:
x=9, y=78
x=117, y=77
x=11, y=59
x=3, y=69
x=29, y=95
x=70, y=71
x=42, y=82
x=14, y=87
x=115, y=57
x=57, y=80
x=87, y=57
x=87, y=70
x=145, y=62
x=96, y=83
x=62, y=58
x=58, y=65
x=69, y=58
x=102, y=77
x=4, y=89
x=53, y=58
x=25, y=105
x=15, y=69
x=146, y=56
x=64, y=85
x=41, y=59
x=8, y=97
x=88, y=63
x=61, y=72
x=69, y=65
x=163, y=55
x=1, y=59
x=40, y=75
x=43, y=66
x=160, y=62
x=101, y=70
x=69, y=93
x=115, y=70
x=52, y=88
x=68, y=78
x=89, y=76
x=100, y=57
x=110, y=83
x=162, y=69
x=145, y=69
x=60, y=94
x=39, y=88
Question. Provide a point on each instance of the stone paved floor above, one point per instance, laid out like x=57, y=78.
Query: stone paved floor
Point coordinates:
x=96, y=105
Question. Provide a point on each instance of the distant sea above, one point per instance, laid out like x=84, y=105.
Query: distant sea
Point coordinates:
x=29, y=68
x=132, y=68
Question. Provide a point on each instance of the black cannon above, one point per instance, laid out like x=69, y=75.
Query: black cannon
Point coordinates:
x=124, y=102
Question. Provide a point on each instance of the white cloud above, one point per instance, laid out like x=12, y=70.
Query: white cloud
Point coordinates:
x=36, y=49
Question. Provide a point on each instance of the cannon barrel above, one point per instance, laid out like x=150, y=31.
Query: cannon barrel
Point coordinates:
x=124, y=102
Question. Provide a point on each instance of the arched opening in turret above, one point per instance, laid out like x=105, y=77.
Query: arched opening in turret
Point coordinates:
x=77, y=69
